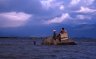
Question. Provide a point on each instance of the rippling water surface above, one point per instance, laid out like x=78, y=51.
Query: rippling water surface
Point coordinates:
x=24, y=49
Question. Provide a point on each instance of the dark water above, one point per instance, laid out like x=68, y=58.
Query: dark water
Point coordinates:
x=24, y=49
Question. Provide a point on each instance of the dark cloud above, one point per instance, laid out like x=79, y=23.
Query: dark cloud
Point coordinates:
x=27, y=6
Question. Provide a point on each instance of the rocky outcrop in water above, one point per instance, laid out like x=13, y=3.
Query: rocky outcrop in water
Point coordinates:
x=50, y=41
x=60, y=39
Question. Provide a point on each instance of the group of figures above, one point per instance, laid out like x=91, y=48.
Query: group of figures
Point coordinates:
x=58, y=39
x=61, y=36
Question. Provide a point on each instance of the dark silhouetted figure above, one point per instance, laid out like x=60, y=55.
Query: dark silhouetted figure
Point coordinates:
x=34, y=42
x=59, y=37
x=62, y=31
x=54, y=34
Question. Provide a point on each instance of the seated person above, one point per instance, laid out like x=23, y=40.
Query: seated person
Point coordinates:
x=62, y=31
x=63, y=34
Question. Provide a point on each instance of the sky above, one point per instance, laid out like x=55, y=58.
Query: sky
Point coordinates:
x=39, y=17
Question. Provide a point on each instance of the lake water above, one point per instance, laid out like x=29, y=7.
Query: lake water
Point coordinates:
x=24, y=49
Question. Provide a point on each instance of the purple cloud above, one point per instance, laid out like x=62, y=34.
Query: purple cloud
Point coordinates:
x=13, y=19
